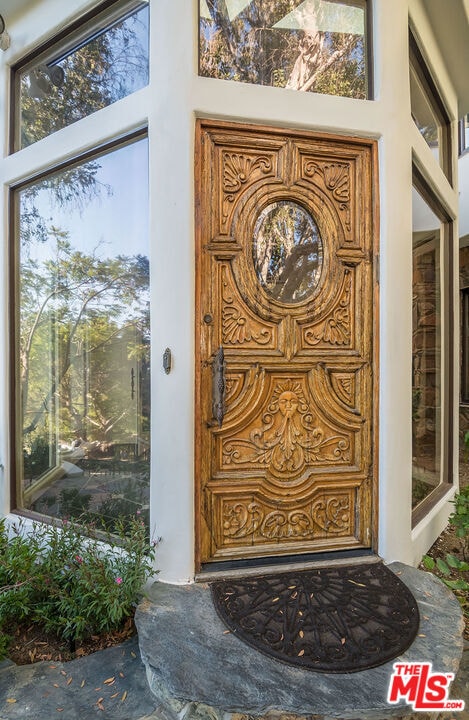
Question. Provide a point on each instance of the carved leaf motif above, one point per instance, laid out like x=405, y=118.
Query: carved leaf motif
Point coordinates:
x=330, y=515
x=336, y=329
x=237, y=328
x=289, y=439
x=336, y=178
x=238, y=169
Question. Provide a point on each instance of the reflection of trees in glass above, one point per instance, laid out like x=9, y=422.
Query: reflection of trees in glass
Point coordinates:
x=84, y=327
x=110, y=66
x=287, y=251
x=249, y=48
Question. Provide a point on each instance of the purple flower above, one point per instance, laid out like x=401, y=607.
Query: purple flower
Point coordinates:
x=119, y=580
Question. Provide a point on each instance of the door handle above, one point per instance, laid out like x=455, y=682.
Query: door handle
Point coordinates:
x=218, y=385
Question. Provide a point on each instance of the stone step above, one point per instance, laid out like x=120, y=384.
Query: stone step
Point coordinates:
x=197, y=670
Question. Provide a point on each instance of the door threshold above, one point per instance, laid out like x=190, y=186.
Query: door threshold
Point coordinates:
x=270, y=566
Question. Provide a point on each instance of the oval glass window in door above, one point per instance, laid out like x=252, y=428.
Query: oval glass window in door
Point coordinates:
x=287, y=251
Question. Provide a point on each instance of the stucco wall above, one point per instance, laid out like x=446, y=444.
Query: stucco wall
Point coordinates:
x=175, y=97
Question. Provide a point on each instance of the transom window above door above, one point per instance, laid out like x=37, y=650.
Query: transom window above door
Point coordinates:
x=310, y=45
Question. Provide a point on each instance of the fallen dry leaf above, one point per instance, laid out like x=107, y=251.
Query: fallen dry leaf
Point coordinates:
x=301, y=634
x=302, y=652
x=11, y=700
x=124, y=695
x=133, y=654
x=121, y=674
x=115, y=695
x=109, y=681
x=82, y=684
x=226, y=632
x=69, y=680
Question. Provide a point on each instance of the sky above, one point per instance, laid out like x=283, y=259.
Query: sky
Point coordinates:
x=118, y=221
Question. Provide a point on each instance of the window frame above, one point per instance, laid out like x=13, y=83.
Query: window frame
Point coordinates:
x=64, y=41
x=368, y=44
x=420, y=184
x=127, y=122
x=16, y=451
x=419, y=65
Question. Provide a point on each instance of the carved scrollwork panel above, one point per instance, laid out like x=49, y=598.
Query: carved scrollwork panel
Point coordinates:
x=240, y=327
x=287, y=436
x=331, y=514
x=238, y=171
x=336, y=330
x=336, y=179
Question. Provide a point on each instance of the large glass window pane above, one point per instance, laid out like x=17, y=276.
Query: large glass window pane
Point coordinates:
x=310, y=45
x=427, y=109
x=93, y=68
x=83, y=356
x=426, y=351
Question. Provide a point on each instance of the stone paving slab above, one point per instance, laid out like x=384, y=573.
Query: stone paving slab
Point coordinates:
x=197, y=670
x=71, y=690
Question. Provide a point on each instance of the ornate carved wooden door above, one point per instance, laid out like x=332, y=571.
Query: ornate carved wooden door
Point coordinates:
x=285, y=390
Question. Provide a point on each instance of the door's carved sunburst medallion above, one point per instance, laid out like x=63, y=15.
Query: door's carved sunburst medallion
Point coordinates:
x=289, y=438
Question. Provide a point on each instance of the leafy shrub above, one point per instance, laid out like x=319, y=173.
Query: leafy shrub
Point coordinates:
x=459, y=519
x=68, y=580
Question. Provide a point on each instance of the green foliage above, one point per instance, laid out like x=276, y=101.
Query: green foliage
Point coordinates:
x=36, y=456
x=459, y=519
x=450, y=565
x=71, y=582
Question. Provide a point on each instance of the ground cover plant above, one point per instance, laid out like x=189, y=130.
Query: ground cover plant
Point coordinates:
x=448, y=558
x=70, y=584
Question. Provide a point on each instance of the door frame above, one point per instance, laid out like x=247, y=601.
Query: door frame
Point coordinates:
x=200, y=125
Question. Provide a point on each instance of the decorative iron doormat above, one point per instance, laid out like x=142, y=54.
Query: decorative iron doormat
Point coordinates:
x=340, y=619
